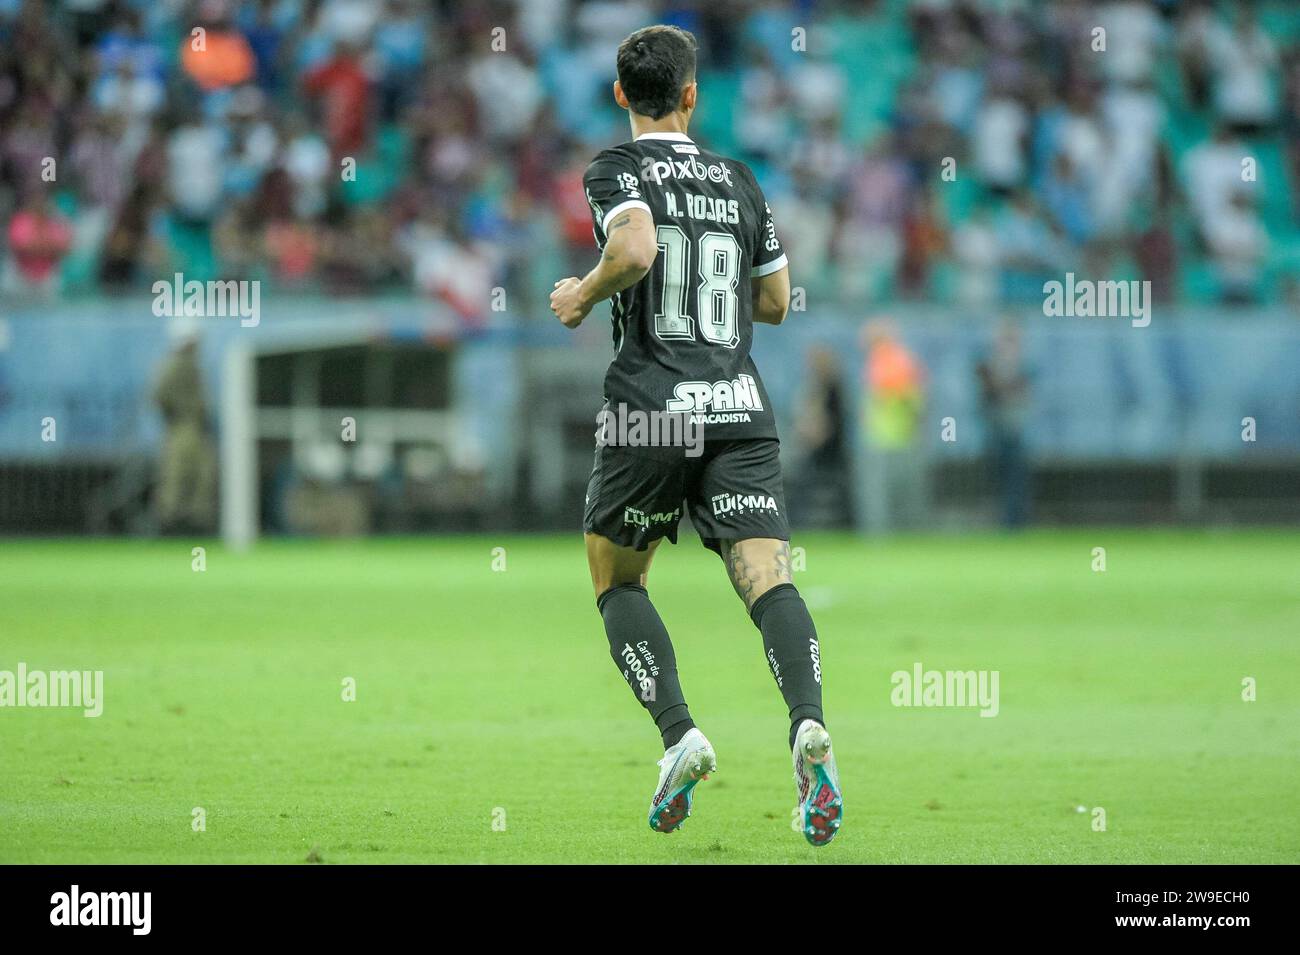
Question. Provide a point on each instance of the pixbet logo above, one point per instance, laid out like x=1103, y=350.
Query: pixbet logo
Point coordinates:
x=690, y=168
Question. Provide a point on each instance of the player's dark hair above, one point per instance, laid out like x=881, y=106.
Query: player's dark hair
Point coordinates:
x=654, y=65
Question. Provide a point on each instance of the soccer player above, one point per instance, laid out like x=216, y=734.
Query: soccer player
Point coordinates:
x=690, y=260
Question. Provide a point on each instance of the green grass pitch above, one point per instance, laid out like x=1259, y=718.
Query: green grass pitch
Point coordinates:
x=487, y=695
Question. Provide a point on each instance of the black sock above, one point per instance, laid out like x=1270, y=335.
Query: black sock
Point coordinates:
x=674, y=733
x=639, y=644
x=793, y=655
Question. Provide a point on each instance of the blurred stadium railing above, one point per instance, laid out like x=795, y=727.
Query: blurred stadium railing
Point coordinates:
x=382, y=417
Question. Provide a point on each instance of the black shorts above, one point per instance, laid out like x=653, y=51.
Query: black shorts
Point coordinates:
x=731, y=491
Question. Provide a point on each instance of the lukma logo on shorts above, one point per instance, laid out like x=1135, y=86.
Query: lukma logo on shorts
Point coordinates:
x=639, y=518
x=724, y=504
x=717, y=402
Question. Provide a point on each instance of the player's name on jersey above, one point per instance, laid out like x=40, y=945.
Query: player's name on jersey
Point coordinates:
x=704, y=208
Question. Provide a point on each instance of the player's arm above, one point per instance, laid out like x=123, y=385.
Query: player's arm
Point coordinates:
x=624, y=229
x=630, y=250
x=769, y=273
x=771, y=297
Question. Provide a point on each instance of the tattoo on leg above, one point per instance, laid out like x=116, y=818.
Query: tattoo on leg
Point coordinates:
x=783, y=563
x=752, y=580
x=743, y=576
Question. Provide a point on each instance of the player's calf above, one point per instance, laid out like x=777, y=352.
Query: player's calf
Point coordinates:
x=638, y=640
x=759, y=569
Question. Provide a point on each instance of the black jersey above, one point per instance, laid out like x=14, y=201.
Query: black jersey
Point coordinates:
x=682, y=334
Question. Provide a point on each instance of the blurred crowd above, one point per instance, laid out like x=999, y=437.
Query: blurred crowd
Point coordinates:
x=936, y=149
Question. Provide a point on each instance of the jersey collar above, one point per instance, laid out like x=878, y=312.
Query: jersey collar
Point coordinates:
x=671, y=137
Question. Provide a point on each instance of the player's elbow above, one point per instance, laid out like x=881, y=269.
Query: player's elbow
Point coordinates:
x=639, y=257
x=776, y=305
x=772, y=299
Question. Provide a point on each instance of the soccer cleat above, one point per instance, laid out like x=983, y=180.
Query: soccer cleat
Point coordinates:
x=821, y=805
x=683, y=766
